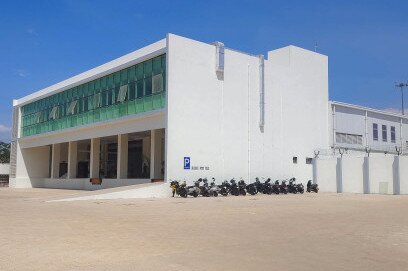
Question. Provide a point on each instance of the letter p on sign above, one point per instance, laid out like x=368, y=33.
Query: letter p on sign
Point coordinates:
x=186, y=162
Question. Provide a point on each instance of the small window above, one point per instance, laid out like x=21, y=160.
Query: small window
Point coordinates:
x=54, y=113
x=294, y=160
x=97, y=100
x=157, y=83
x=375, y=131
x=309, y=160
x=123, y=90
x=392, y=134
x=71, y=107
x=384, y=133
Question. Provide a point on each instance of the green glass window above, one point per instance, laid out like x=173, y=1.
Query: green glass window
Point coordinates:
x=133, y=90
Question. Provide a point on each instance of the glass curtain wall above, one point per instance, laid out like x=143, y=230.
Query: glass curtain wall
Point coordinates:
x=133, y=90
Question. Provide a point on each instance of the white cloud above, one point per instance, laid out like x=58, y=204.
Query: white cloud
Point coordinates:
x=21, y=72
x=31, y=31
x=4, y=129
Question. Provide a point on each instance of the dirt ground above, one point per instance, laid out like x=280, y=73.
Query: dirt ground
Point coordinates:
x=284, y=232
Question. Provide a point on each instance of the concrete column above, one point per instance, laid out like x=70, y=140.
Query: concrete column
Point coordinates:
x=95, y=152
x=396, y=175
x=55, y=160
x=72, y=159
x=152, y=153
x=366, y=175
x=122, y=165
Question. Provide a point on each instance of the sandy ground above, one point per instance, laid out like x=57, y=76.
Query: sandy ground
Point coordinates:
x=292, y=232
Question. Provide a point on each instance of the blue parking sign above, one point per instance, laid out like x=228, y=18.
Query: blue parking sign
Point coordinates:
x=186, y=162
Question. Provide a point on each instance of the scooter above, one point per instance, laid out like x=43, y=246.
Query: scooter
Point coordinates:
x=204, y=189
x=233, y=189
x=193, y=190
x=241, y=187
x=300, y=188
x=252, y=188
x=177, y=189
x=292, y=186
x=276, y=187
x=225, y=188
x=267, y=187
x=312, y=187
x=214, y=189
x=283, y=188
x=258, y=185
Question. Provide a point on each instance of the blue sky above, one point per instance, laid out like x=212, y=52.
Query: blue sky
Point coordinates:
x=44, y=42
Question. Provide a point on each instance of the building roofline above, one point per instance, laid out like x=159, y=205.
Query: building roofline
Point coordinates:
x=117, y=64
x=368, y=109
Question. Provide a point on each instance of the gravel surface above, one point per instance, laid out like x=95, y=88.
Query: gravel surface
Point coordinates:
x=285, y=232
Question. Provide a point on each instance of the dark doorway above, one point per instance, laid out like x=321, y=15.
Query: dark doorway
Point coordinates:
x=135, y=159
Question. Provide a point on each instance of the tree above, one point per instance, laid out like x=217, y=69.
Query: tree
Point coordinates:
x=4, y=153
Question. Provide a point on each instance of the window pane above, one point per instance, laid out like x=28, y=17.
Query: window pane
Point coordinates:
x=148, y=86
x=139, y=87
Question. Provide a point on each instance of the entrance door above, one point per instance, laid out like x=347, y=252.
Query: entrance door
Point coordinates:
x=135, y=159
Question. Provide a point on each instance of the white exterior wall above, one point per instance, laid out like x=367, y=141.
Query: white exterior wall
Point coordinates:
x=352, y=174
x=351, y=119
x=325, y=174
x=403, y=175
x=216, y=122
x=381, y=170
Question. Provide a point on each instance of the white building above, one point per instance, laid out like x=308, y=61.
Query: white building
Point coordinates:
x=183, y=109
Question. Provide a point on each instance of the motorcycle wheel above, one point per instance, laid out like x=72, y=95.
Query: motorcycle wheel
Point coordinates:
x=215, y=194
x=294, y=192
x=243, y=192
x=302, y=191
x=195, y=194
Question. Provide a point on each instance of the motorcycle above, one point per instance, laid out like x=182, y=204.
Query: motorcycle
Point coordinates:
x=233, y=189
x=276, y=187
x=267, y=187
x=312, y=187
x=214, y=189
x=178, y=189
x=258, y=185
x=204, y=189
x=252, y=188
x=283, y=188
x=241, y=187
x=225, y=188
x=300, y=188
x=292, y=186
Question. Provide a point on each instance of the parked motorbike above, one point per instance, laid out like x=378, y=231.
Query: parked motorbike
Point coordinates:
x=178, y=189
x=233, y=189
x=204, y=189
x=300, y=188
x=292, y=186
x=259, y=185
x=241, y=187
x=252, y=188
x=225, y=188
x=283, y=188
x=312, y=187
x=267, y=187
x=193, y=190
x=276, y=187
x=214, y=189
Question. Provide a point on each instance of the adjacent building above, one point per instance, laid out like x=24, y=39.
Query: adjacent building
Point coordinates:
x=184, y=109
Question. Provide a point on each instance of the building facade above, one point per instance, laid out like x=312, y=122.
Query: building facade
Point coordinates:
x=184, y=109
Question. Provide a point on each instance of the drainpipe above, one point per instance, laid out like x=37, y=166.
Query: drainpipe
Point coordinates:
x=261, y=92
x=334, y=125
